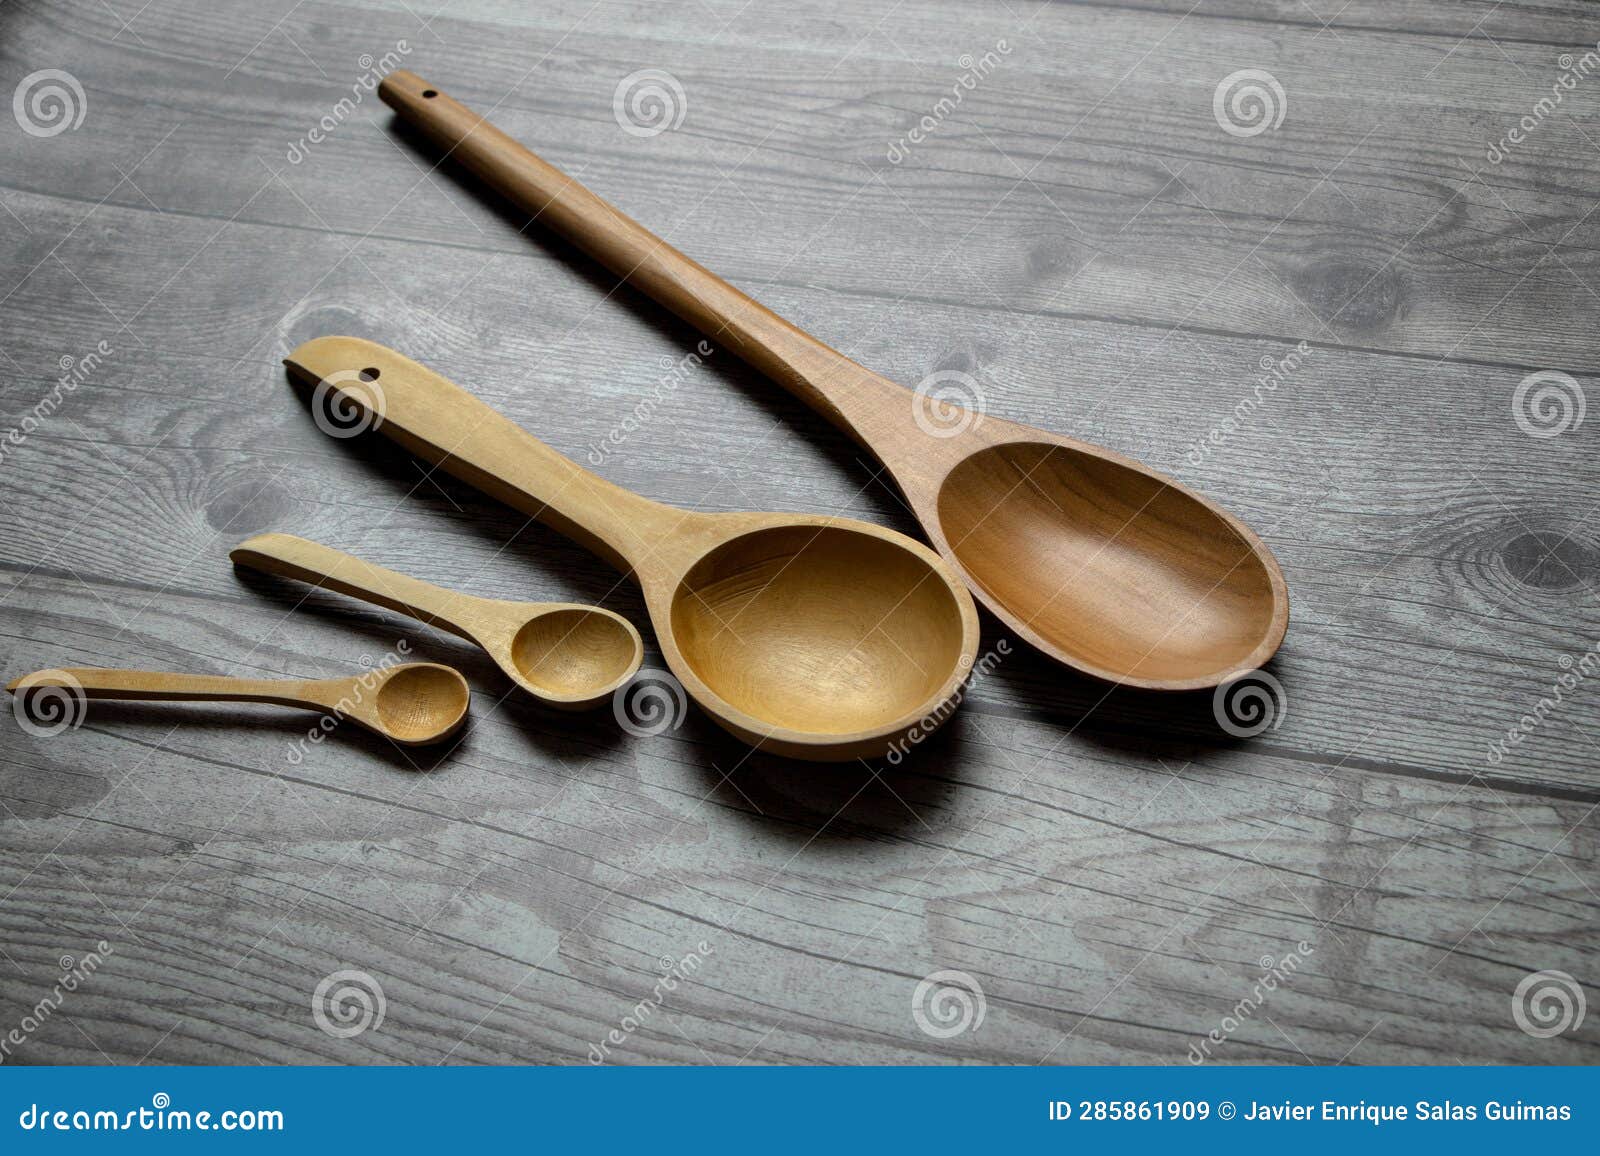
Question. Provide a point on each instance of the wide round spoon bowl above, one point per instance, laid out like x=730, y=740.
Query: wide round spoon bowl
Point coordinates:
x=411, y=703
x=565, y=654
x=1102, y=563
x=815, y=637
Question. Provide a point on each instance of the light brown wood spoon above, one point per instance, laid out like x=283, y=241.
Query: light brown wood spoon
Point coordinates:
x=814, y=637
x=1100, y=562
x=566, y=654
x=412, y=703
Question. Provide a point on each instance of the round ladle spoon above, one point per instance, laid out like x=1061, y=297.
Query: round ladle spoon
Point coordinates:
x=412, y=703
x=1102, y=563
x=565, y=654
x=815, y=637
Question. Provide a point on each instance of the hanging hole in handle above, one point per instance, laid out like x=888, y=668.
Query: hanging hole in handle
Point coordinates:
x=368, y=374
x=428, y=94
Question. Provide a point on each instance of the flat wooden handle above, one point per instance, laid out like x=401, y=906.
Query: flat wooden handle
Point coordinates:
x=802, y=364
x=444, y=424
x=160, y=686
x=305, y=561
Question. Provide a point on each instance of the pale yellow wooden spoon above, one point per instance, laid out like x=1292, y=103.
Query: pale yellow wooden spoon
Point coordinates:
x=412, y=703
x=566, y=654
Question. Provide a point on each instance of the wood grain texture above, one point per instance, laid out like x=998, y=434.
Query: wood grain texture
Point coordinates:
x=1083, y=239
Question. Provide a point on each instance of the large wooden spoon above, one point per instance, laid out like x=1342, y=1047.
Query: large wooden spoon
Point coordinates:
x=411, y=703
x=1100, y=562
x=815, y=637
x=565, y=654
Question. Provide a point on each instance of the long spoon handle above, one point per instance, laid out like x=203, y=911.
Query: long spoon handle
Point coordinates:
x=299, y=558
x=822, y=377
x=95, y=682
x=444, y=424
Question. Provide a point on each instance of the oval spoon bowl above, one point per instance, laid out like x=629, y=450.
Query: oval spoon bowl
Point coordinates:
x=1131, y=576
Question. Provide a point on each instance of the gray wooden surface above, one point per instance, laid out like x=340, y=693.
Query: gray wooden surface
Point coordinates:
x=1083, y=238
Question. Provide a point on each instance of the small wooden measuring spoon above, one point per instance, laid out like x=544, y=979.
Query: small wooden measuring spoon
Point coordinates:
x=412, y=703
x=815, y=637
x=1099, y=561
x=563, y=653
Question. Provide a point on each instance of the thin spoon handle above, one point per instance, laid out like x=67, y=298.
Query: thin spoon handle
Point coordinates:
x=444, y=424
x=160, y=686
x=822, y=377
x=290, y=557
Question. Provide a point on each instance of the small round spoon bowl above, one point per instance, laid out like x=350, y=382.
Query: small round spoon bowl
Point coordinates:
x=566, y=655
x=412, y=703
x=814, y=637
x=1103, y=564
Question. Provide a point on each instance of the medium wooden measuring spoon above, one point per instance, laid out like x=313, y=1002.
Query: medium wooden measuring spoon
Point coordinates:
x=815, y=637
x=563, y=653
x=412, y=703
x=1101, y=562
